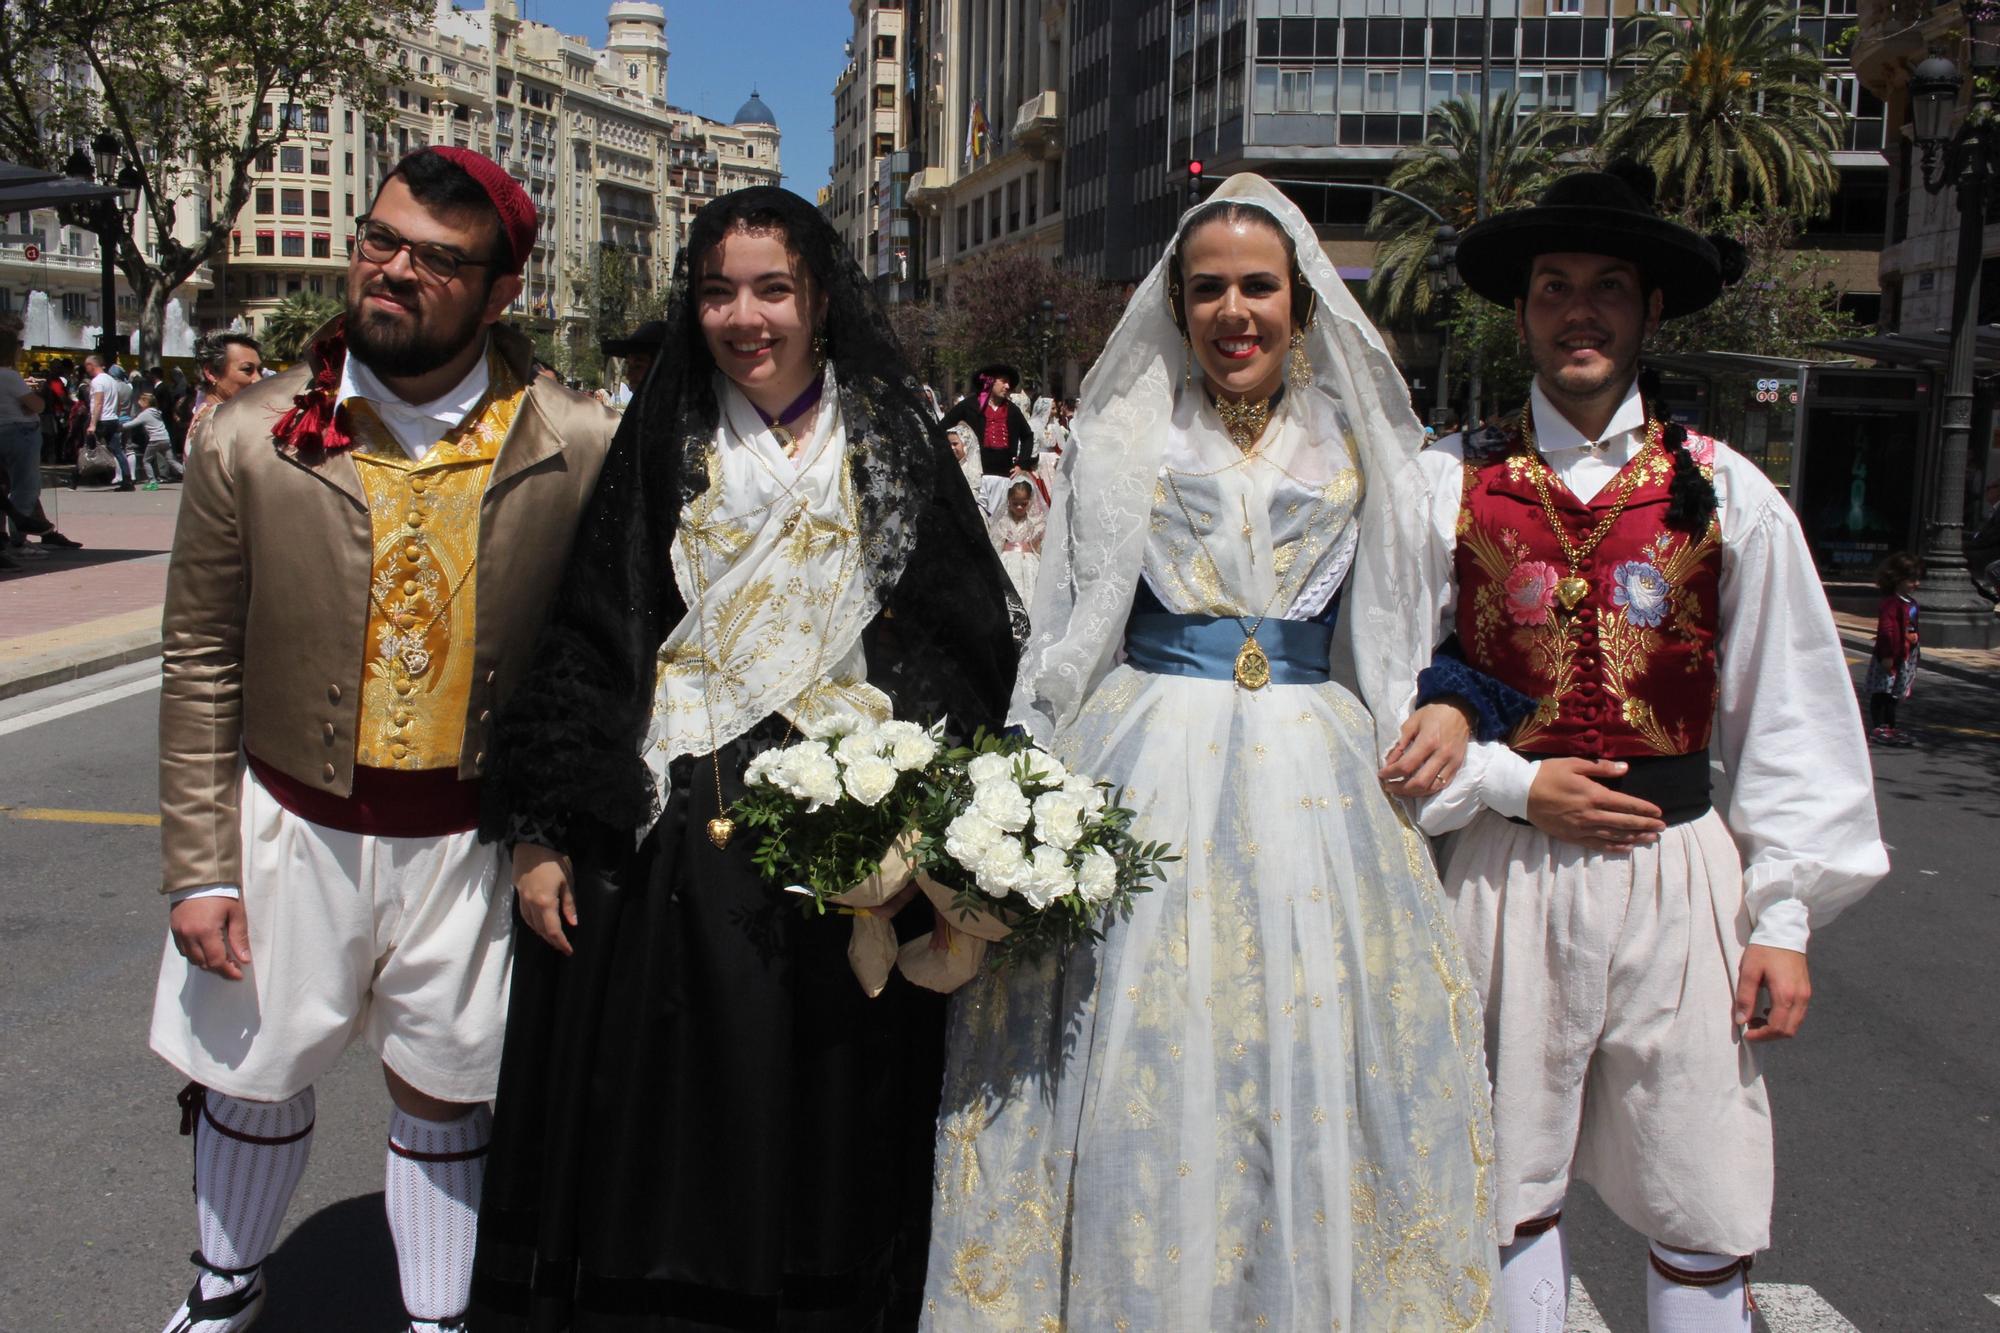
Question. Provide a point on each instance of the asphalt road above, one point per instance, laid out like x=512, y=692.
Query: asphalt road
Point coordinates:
x=1888, y=1152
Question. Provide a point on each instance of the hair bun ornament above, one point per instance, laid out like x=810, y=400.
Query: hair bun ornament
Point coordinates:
x=1735, y=257
x=1637, y=176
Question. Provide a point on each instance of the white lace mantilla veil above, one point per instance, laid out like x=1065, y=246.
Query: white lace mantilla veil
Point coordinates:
x=1097, y=530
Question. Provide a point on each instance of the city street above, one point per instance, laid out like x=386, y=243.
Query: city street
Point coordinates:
x=1888, y=1158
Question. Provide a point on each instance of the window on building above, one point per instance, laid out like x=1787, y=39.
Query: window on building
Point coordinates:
x=1565, y=6
x=270, y=284
x=1559, y=91
x=347, y=163
x=1052, y=196
x=267, y=244
x=265, y=199
x=423, y=106
x=291, y=159
x=317, y=119
x=347, y=122
x=322, y=246
x=320, y=164
x=502, y=86
x=1033, y=192
x=292, y=203
x=885, y=97
x=978, y=224
x=885, y=144
x=264, y=117
x=1013, y=206
x=267, y=161
x=403, y=98
x=322, y=202
x=292, y=245
x=885, y=48
x=293, y=116
x=960, y=235
x=347, y=204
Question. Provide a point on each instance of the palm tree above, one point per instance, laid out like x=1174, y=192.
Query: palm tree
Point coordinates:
x=295, y=319
x=1444, y=173
x=1725, y=103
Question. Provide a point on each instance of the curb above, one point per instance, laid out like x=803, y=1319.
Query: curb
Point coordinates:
x=56, y=669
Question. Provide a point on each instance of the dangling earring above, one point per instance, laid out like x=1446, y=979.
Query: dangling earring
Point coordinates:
x=1301, y=369
x=1187, y=360
x=819, y=348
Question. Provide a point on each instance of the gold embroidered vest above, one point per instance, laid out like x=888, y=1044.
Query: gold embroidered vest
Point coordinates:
x=416, y=679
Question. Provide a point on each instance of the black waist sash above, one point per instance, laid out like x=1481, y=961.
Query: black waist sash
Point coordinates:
x=1677, y=783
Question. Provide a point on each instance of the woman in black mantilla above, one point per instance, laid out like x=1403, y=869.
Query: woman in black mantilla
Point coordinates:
x=703, y=1122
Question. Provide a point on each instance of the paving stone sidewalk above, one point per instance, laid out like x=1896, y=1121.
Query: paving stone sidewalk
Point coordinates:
x=72, y=613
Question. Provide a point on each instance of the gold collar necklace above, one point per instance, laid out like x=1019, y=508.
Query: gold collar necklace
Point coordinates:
x=1246, y=418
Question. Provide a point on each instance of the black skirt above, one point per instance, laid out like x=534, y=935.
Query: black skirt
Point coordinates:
x=703, y=1122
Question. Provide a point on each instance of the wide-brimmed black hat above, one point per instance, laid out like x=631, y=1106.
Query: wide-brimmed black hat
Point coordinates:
x=648, y=337
x=1607, y=212
x=998, y=369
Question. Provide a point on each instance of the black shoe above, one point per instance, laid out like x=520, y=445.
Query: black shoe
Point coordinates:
x=54, y=538
x=124, y=486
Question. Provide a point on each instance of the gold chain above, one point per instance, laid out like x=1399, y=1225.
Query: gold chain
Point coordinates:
x=1253, y=668
x=415, y=659
x=1573, y=589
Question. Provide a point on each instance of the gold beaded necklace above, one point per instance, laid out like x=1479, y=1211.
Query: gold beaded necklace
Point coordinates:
x=1244, y=420
x=1573, y=587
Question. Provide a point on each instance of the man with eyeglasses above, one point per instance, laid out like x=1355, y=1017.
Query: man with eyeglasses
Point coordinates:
x=366, y=548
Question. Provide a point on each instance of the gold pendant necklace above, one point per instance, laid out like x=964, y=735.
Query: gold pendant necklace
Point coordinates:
x=1244, y=420
x=1573, y=587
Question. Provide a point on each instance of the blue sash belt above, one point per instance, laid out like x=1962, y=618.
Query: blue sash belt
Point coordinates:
x=1206, y=647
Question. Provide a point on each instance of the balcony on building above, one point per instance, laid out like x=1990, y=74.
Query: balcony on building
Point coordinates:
x=928, y=189
x=1038, y=124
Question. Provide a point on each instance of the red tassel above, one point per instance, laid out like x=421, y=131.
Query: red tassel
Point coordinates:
x=313, y=424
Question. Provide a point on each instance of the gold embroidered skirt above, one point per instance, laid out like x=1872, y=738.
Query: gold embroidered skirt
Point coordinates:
x=1260, y=1101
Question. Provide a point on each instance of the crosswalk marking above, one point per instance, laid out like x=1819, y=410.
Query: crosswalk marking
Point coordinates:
x=1789, y=1307
x=1991, y=1297
x=1583, y=1316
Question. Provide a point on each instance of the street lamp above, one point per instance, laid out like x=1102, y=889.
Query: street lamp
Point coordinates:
x=101, y=165
x=1955, y=615
x=1050, y=326
x=1441, y=273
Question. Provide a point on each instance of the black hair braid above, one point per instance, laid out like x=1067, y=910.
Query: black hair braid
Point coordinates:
x=1693, y=495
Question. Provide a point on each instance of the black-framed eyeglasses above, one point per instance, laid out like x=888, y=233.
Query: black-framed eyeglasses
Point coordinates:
x=380, y=243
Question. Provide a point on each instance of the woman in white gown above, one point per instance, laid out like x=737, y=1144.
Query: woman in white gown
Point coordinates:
x=1017, y=535
x=1260, y=1100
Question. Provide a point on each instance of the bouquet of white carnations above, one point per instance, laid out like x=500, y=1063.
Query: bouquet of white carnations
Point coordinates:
x=1017, y=854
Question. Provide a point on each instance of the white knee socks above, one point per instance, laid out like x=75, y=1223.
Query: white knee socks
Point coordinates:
x=248, y=1157
x=435, y=1171
x=1696, y=1293
x=1534, y=1282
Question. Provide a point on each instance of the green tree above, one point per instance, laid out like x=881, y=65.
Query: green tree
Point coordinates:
x=613, y=288
x=295, y=319
x=994, y=314
x=1784, y=303
x=1727, y=105
x=180, y=84
x=1444, y=173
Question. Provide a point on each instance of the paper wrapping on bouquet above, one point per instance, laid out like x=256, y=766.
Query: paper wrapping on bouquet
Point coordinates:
x=951, y=954
x=942, y=959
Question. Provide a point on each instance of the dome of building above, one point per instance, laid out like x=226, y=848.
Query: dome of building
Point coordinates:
x=754, y=112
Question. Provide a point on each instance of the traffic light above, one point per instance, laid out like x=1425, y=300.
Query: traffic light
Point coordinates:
x=1194, y=180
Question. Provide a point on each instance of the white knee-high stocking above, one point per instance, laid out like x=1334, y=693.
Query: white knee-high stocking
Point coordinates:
x=435, y=1170
x=1690, y=1292
x=248, y=1157
x=1534, y=1279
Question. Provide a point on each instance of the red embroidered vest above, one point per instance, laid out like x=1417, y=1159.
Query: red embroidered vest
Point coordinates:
x=1630, y=670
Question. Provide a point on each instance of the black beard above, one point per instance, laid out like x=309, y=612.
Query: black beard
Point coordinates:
x=396, y=351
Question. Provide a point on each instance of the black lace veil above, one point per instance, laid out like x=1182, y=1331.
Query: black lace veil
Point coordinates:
x=567, y=743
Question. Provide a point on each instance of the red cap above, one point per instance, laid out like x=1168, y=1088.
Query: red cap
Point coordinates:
x=510, y=201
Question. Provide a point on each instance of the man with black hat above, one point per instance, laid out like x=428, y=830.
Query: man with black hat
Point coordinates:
x=638, y=347
x=1006, y=440
x=366, y=549
x=1648, y=589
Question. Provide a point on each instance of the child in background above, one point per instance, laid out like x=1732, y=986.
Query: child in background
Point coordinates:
x=159, y=460
x=1017, y=535
x=1894, y=668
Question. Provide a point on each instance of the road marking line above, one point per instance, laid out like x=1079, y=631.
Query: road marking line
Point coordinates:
x=1582, y=1316
x=1789, y=1307
x=69, y=707
x=1966, y=731
x=1993, y=1298
x=80, y=816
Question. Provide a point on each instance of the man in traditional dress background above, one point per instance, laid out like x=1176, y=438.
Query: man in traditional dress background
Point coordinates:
x=366, y=548
x=1649, y=592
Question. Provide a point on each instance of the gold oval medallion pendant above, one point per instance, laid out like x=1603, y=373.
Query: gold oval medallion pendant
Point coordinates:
x=719, y=831
x=1253, y=669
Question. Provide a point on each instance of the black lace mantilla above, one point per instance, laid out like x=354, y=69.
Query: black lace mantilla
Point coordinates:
x=565, y=766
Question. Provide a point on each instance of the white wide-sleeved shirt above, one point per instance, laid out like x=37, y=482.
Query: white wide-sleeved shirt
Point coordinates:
x=416, y=426
x=1801, y=791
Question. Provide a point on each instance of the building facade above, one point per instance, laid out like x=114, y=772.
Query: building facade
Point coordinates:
x=870, y=126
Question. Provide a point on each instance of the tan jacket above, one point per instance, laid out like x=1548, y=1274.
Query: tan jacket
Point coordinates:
x=267, y=601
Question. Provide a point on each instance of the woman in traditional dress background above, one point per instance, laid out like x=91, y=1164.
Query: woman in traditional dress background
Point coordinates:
x=1260, y=1100
x=702, y=1120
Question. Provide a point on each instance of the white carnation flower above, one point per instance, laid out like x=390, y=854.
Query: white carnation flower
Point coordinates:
x=1058, y=819
x=987, y=768
x=831, y=726
x=1003, y=803
x=811, y=774
x=1097, y=877
x=1003, y=868
x=869, y=779
x=758, y=772
x=1043, y=768
x=858, y=745
x=1049, y=877
x=968, y=838
x=1086, y=791
x=908, y=745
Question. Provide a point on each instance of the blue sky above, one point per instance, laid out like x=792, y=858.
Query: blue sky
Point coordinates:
x=719, y=50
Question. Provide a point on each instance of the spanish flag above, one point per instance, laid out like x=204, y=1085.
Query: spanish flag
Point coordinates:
x=975, y=134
